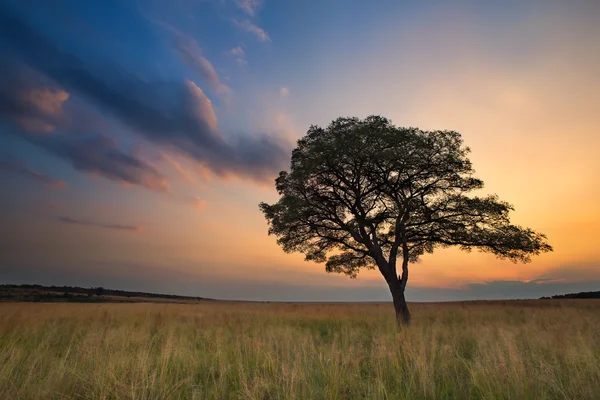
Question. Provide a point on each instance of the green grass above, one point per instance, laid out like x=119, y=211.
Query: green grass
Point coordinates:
x=494, y=350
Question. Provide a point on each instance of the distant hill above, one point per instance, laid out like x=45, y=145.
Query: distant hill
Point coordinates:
x=580, y=295
x=37, y=293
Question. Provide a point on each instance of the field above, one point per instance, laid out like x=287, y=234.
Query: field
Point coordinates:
x=544, y=349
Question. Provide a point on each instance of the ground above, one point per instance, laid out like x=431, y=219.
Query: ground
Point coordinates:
x=539, y=349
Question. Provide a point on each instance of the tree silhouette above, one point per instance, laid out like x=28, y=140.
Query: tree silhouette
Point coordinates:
x=364, y=193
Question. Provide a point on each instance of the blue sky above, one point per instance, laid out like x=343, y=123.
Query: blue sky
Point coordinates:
x=137, y=138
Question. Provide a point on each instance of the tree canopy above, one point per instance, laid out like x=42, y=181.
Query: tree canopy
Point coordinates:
x=364, y=193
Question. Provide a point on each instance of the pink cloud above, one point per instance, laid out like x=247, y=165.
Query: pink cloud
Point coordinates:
x=249, y=6
x=44, y=109
x=198, y=203
x=13, y=165
x=236, y=51
x=187, y=175
x=202, y=106
x=253, y=29
x=239, y=54
x=191, y=54
x=120, y=227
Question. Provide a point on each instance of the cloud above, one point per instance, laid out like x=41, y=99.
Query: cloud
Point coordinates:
x=239, y=54
x=46, y=103
x=73, y=221
x=187, y=175
x=253, y=29
x=565, y=278
x=28, y=101
x=198, y=203
x=582, y=271
x=496, y=290
x=191, y=54
x=201, y=107
x=98, y=154
x=237, y=51
x=11, y=164
x=249, y=6
x=280, y=121
x=34, y=105
x=177, y=115
x=284, y=92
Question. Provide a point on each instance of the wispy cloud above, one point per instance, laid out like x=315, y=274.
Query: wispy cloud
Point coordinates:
x=73, y=221
x=237, y=51
x=238, y=54
x=284, y=92
x=496, y=290
x=201, y=107
x=191, y=54
x=184, y=173
x=250, y=7
x=28, y=101
x=99, y=154
x=174, y=114
x=249, y=27
x=198, y=203
x=11, y=164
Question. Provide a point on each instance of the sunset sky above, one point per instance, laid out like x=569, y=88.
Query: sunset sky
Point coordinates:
x=138, y=137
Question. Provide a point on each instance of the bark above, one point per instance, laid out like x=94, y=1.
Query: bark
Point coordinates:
x=398, y=285
x=401, y=308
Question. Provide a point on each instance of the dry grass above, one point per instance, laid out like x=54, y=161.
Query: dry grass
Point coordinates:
x=511, y=350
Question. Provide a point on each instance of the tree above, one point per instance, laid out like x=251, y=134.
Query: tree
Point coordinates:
x=364, y=193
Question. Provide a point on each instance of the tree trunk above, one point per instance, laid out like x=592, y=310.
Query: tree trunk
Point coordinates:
x=402, y=313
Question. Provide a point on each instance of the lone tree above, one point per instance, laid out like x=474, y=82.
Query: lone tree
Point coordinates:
x=364, y=193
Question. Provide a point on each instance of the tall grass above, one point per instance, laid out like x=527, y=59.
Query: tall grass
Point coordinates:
x=513, y=350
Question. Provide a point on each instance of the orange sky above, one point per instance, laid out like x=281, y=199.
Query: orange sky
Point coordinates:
x=523, y=90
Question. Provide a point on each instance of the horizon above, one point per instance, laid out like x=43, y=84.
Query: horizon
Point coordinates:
x=200, y=298
x=137, y=139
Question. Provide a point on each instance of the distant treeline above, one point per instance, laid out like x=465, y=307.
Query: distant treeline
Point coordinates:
x=580, y=295
x=74, y=293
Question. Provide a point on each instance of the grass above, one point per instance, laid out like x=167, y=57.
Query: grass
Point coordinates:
x=218, y=350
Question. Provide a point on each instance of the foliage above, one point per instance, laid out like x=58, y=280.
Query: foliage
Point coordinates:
x=28, y=292
x=361, y=193
x=580, y=295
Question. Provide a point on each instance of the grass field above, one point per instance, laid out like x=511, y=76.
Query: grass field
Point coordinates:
x=218, y=350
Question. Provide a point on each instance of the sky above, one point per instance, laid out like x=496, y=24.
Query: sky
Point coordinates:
x=138, y=137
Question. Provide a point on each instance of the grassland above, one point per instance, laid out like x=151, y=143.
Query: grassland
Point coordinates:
x=216, y=350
